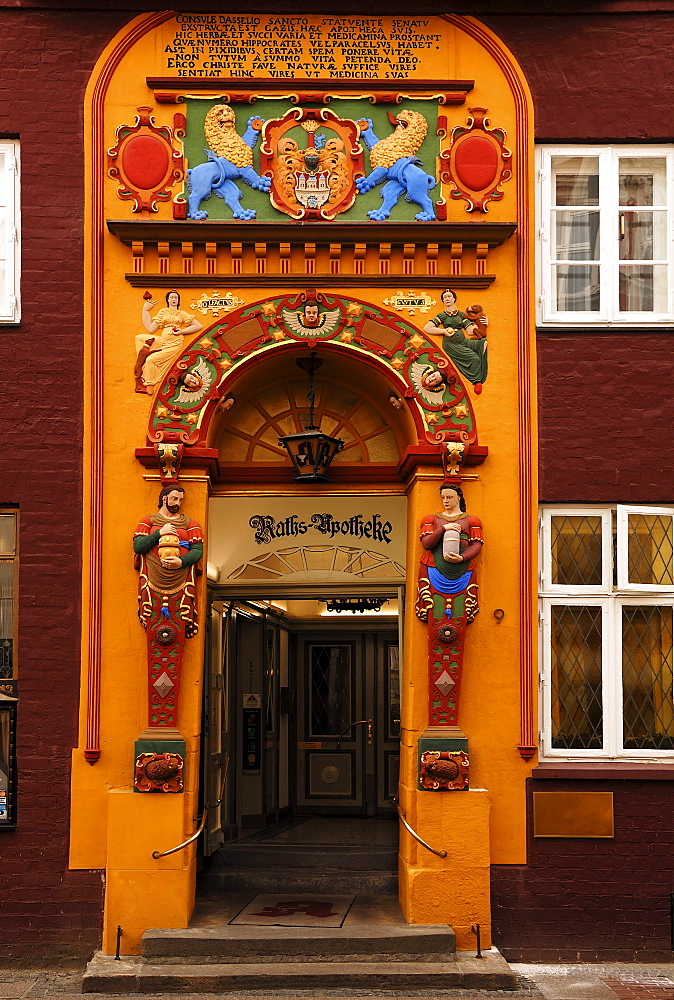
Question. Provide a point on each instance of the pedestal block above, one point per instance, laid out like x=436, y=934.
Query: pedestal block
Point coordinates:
x=142, y=891
x=452, y=890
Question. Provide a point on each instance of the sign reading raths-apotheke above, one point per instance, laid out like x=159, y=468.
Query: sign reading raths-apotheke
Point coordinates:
x=267, y=527
x=308, y=538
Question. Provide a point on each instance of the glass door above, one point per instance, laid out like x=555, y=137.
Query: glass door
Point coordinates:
x=348, y=718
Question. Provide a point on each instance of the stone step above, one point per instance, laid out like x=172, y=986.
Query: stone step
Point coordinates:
x=311, y=880
x=133, y=975
x=239, y=944
x=338, y=858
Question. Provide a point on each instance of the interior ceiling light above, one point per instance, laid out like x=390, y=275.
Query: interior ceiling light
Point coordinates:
x=355, y=604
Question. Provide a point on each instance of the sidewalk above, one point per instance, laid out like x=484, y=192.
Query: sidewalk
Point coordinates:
x=536, y=982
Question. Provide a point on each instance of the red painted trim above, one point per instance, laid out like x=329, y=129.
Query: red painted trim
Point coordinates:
x=527, y=744
x=97, y=176
x=603, y=771
x=225, y=84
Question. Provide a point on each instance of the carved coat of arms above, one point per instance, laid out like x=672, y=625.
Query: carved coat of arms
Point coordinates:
x=313, y=158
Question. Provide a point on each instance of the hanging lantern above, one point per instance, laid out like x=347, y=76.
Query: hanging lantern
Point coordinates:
x=311, y=451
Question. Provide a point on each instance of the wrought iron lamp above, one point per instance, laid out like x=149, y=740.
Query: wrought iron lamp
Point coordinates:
x=311, y=451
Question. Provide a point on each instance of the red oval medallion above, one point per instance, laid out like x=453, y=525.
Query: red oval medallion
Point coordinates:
x=145, y=161
x=476, y=163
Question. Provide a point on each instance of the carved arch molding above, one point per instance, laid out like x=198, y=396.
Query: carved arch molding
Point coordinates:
x=262, y=333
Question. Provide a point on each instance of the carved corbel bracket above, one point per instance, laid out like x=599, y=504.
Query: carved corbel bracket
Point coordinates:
x=454, y=454
x=169, y=459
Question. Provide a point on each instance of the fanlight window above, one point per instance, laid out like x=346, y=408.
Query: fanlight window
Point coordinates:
x=254, y=427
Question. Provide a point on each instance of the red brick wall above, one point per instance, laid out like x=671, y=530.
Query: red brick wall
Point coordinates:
x=45, y=62
x=593, y=900
x=604, y=437
x=594, y=77
x=606, y=414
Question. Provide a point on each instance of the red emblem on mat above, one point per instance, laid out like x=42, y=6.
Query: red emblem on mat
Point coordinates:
x=286, y=908
x=145, y=161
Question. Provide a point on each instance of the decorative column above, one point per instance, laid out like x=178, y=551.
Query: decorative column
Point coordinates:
x=447, y=601
x=168, y=547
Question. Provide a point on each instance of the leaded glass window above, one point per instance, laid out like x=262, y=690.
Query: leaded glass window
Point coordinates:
x=330, y=689
x=607, y=606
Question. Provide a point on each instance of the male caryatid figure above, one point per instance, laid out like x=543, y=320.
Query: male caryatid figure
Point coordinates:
x=168, y=547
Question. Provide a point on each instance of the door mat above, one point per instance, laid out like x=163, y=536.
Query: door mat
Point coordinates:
x=295, y=910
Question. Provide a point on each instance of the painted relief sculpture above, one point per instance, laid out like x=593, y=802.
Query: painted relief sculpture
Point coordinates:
x=230, y=158
x=443, y=770
x=168, y=546
x=309, y=321
x=448, y=598
x=394, y=161
x=146, y=161
x=469, y=356
x=317, y=181
x=168, y=329
x=436, y=395
x=159, y=772
x=477, y=162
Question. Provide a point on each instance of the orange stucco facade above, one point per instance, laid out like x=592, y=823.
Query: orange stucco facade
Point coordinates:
x=265, y=260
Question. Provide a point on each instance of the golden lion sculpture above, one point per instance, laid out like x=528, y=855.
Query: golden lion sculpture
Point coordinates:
x=230, y=158
x=394, y=160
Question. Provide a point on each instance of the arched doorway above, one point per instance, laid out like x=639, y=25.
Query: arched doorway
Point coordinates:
x=302, y=701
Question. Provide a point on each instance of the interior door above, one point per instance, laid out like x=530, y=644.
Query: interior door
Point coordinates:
x=347, y=739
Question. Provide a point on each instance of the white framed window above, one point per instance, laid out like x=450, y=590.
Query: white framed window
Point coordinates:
x=607, y=627
x=10, y=246
x=605, y=247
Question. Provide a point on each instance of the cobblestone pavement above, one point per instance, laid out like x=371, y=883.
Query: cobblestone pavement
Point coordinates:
x=535, y=982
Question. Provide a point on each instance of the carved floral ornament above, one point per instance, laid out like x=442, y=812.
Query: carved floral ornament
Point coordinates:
x=183, y=406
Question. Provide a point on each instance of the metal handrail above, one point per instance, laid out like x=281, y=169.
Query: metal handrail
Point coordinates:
x=204, y=816
x=403, y=819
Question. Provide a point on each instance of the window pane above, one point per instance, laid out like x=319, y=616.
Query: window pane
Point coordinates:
x=643, y=288
x=4, y=765
x=575, y=180
x=330, y=693
x=393, y=731
x=645, y=236
x=643, y=180
x=577, y=288
x=576, y=550
x=577, y=718
x=6, y=618
x=7, y=534
x=577, y=235
x=648, y=715
x=650, y=549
